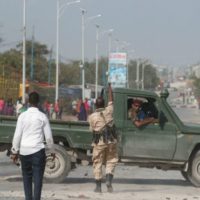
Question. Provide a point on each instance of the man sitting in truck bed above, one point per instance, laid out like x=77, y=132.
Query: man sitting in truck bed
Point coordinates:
x=138, y=116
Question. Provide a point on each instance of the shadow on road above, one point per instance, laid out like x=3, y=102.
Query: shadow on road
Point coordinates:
x=70, y=180
x=174, y=182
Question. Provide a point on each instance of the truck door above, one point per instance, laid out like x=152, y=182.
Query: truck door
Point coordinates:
x=151, y=141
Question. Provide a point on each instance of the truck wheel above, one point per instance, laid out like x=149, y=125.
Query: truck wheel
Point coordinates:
x=194, y=170
x=56, y=170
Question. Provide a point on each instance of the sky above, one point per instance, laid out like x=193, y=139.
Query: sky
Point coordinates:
x=166, y=32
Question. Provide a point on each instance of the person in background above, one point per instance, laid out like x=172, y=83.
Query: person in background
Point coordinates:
x=28, y=145
x=9, y=107
x=87, y=107
x=57, y=109
x=74, y=103
x=61, y=105
x=51, y=110
x=104, y=141
x=19, y=105
x=82, y=115
x=78, y=106
x=2, y=104
x=46, y=108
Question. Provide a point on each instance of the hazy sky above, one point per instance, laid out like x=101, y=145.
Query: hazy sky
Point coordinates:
x=165, y=31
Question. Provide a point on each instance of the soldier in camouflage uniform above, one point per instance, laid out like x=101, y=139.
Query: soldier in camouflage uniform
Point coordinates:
x=104, y=141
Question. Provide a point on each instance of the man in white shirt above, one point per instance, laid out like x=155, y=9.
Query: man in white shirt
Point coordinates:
x=28, y=142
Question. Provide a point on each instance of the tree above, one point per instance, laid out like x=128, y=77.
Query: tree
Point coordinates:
x=151, y=80
x=70, y=73
x=10, y=62
x=40, y=52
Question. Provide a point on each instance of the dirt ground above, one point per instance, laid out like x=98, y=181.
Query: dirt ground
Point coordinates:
x=129, y=183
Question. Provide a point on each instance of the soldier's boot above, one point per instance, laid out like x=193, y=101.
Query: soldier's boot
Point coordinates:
x=109, y=178
x=98, y=186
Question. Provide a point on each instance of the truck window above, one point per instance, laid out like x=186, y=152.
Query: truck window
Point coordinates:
x=148, y=106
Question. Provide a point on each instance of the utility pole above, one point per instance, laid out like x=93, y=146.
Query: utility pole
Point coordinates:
x=82, y=66
x=49, y=66
x=138, y=74
x=24, y=54
x=32, y=57
x=59, y=12
x=97, y=61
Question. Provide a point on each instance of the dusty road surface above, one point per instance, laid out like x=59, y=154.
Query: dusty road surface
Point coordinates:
x=129, y=183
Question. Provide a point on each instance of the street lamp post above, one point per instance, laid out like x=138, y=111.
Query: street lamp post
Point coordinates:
x=58, y=15
x=142, y=80
x=83, y=53
x=24, y=54
x=137, y=73
x=57, y=49
x=82, y=65
x=97, y=61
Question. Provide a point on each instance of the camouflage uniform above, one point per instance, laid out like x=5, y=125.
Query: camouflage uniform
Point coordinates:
x=103, y=153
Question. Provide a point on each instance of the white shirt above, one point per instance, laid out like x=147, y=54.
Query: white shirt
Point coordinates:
x=32, y=127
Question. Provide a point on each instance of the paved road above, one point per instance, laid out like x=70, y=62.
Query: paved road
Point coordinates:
x=129, y=183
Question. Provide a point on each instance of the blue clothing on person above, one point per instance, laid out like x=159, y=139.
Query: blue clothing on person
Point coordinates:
x=140, y=115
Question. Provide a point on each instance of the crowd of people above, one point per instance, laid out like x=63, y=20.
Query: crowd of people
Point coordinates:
x=82, y=109
x=7, y=107
x=54, y=110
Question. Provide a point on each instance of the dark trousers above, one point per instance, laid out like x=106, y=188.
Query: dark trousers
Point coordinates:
x=33, y=170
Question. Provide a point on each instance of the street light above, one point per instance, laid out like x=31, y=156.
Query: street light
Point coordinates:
x=97, y=62
x=97, y=59
x=137, y=73
x=83, y=11
x=24, y=54
x=60, y=10
x=109, y=31
x=83, y=51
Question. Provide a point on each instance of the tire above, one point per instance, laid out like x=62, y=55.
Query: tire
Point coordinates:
x=194, y=170
x=57, y=170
